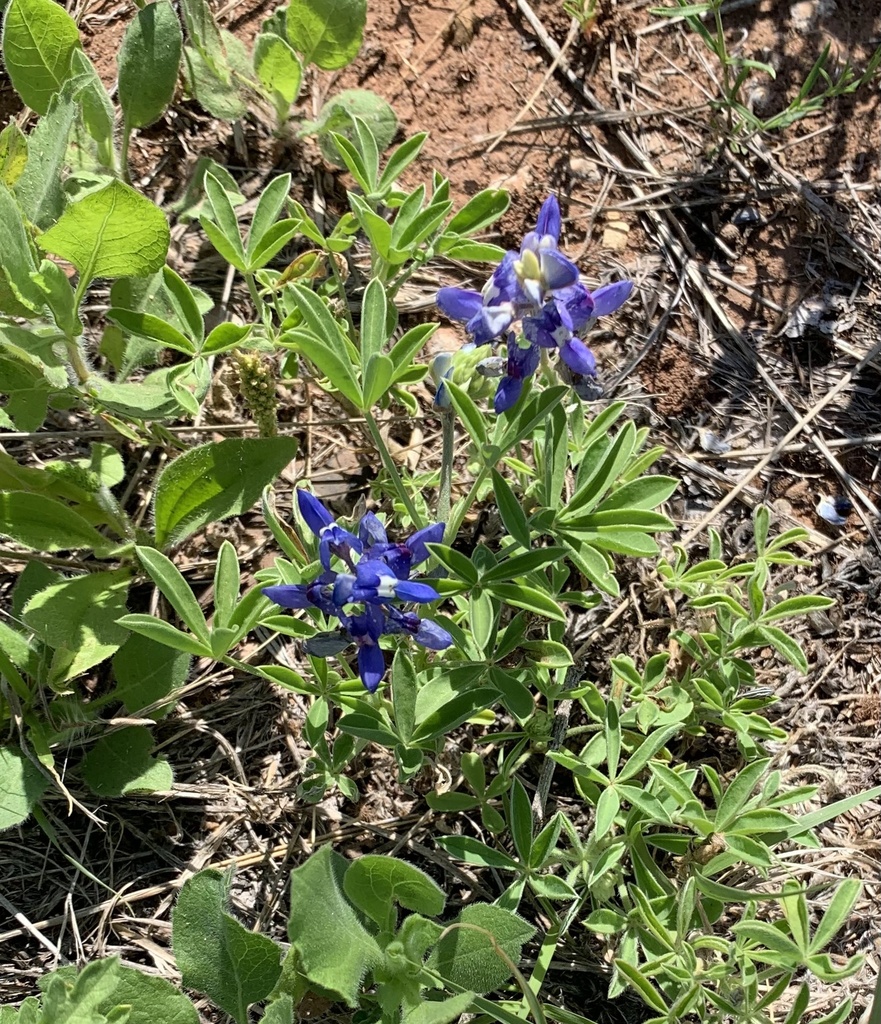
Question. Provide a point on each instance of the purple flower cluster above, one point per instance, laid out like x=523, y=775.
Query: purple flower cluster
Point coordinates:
x=378, y=574
x=538, y=286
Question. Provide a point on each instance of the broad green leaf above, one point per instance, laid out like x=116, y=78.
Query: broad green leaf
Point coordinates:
x=103, y=986
x=27, y=391
x=376, y=883
x=333, y=947
x=214, y=75
x=13, y=154
x=39, y=189
x=78, y=620
x=607, y=809
x=58, y=293
x=215, y=953
x=279, y=71
x=97, y=109
x=467, y=955
x=215, y=481
x=114, y=232
x=378, y=375
x=337, y=118
x=44, y=524
x=149, y=60
x=374, y=312
x=39, y=38
x=279, y=1011
x=146, y=672
x=19, y=294
x=443, y=1011
x=328, y=35
x=122, y=763
x=21, y=786
x=645, y=493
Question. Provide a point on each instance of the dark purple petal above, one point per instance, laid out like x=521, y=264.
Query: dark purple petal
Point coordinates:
x=507, y=393
x=442, y=397
x=407, y=590
x=578, y=357
x=557, y=271
x=459, y=303
x=523, y=360
x=432, y=636
x=433, y=534
x=546, y=328
x=371, y=531
x=398, y=558
x=579, y=304
x=611, y=297
x=549, y=222
x=289, y=595
x=503, y=286
x=371, y=666
x=313, y=512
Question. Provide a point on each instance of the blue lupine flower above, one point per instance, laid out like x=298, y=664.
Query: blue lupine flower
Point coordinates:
x=332, y=539
x=522, y=363
x=538, y=286
x=379, y=577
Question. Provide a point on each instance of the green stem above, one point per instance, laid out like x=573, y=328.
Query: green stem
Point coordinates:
x=448, y=437
x=259, y=304
x=123, y=157
x=389, y=465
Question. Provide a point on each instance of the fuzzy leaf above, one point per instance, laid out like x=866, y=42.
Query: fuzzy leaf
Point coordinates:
x=123, y=763
x=149, y=60
x=376, y=883
x=114, y=232
x=39, y=38
x=216, y=954
x=21, y=786
x=328, y=35
x=215, y=481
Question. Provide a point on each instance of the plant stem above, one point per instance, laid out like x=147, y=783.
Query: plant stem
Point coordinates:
x=259, y=304
x=448, y=438
x=123, y=153
x=389, y=465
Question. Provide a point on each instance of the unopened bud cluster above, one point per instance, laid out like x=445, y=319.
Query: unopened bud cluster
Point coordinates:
x=257, y=380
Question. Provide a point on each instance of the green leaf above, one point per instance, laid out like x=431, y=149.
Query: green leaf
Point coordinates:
x=328, y=35
x=375, y=883
x=21, y=786
x=511, y=511
x=404, y=690
x=642, y=985
x=520, y=565
x=443, y=1011
x=333, y=947
x=149, y=60
x=797, y=606
x=13, y=154
x=114, y=232
x=738, y=792
x=175, y=589
x=607, y=809
x=480, y=211
x=39, y=190
x=44, y=524
x=19, y=293
x=473, y=419
x=468, y=955
x=39, y=38
x=214, y=73
x=215, y=953
x=374, y=312
x=279, y=71
x=153, y=328
x=215, y=481
x=146, y=672
x=97, y=110
x=472, y=851
x=164, y=633
x=457, y=563
x=768, y=935
x=453, y=713
x=222, y=227
x=378, y=375
x=532, y=600
x=225, y=337
x=78, y=620
x=836, y=914
x=401, y=159
x=122, y=763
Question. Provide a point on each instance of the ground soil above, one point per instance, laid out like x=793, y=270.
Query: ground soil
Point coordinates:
x=757, y=306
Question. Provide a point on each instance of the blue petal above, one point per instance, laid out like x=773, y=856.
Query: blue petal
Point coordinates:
x=549, y=221
x=556, y=270
x=371, y=531
x=503, y=285
x=490, y=322
x=523, y=360
x=540, y=329
x=432, y=636
x=313, y=512
x=343, y=589
x=433, y=534
x=507, y=393
x=579, y=304
x=578, y=357
x=611, y=297
x=371, y=666
x=291, y=595
x=459, y=303
x=406, y=590
x=442, y=397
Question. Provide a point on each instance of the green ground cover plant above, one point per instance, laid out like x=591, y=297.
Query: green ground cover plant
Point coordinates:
x=406, y=637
